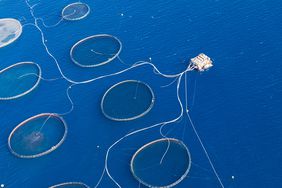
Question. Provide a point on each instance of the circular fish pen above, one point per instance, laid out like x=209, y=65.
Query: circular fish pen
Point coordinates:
x=10, y=30
x=162, y=163
x=127, y=100
x=70, y=184
x=19, y=79
x=37, y=136
x=75, y=11
x=95, y=50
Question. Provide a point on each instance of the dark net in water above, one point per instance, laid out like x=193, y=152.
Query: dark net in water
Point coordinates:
x=161, y=163
x=127, y=100
x=37, y=136
x=70, y=185
x=18, y=80
x=75, y=11
x=95, y=50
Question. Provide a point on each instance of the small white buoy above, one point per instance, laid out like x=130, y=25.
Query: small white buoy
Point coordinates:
x=2, y=185
x=233, y=177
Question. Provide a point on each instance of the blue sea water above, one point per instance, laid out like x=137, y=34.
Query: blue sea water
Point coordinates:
x=236, y=106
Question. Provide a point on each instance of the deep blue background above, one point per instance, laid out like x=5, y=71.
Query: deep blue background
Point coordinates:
x=237, y=104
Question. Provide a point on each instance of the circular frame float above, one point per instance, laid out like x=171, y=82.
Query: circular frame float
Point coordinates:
x=133, y=117
x=72, y=5
x=70, y=184
x=154, y=142
x=17, y=30
x=52, y=148
x=94, y=37
x=29, y=90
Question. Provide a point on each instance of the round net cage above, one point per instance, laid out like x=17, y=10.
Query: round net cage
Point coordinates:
x=95, y=50
x=127, y=100
x=10, y=30
x=19, y=79
x=75, y=11
x=161, y=163
x=37, y=136
x=70, y=185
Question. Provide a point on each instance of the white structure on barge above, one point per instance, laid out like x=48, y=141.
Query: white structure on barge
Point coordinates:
x=201, y=62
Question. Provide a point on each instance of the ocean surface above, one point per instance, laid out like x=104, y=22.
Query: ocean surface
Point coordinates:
x=235, y=106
